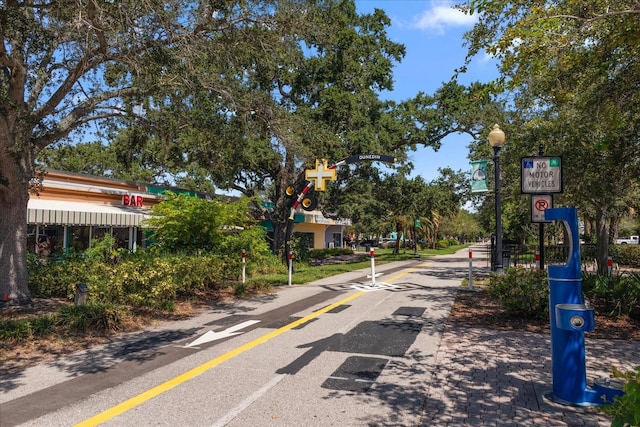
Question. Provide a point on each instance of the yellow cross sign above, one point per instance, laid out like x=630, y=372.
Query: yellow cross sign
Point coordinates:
x=320, y=174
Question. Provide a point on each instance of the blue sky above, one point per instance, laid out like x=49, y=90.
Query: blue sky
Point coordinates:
x=431, y=32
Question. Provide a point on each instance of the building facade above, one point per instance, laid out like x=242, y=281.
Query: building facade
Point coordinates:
x=73, y=209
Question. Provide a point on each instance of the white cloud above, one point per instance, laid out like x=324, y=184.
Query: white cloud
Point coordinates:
x=438, y=18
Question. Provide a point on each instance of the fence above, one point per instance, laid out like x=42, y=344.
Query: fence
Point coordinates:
x=525, y=255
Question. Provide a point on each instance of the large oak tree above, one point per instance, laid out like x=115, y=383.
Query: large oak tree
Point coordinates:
x=69, y=66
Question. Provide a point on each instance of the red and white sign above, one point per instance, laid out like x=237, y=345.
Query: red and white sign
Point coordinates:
x=540, y=203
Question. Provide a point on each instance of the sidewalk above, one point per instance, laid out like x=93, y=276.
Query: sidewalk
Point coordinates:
x=498, y=378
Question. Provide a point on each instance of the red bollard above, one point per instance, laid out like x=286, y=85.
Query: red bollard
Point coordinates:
x=470, y=269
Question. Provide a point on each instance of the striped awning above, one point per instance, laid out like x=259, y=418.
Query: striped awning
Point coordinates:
x=55, y=212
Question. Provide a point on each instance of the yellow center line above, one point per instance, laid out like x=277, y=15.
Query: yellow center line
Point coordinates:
x=114, y=411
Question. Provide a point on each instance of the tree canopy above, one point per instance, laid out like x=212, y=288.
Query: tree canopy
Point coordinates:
x=243, y=94
x=572, y=73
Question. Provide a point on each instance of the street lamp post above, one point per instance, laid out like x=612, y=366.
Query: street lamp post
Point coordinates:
x=496, y=139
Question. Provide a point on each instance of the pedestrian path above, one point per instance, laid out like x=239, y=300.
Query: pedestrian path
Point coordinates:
x=486, y=377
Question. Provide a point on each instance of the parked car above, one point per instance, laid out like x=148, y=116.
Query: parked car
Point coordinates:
x=368, y=242
x=388, y=243
x=632, y=240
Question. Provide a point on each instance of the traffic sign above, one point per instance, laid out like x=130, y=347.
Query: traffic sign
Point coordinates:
x=320, y=174
x=541, y=175
x=540, y=203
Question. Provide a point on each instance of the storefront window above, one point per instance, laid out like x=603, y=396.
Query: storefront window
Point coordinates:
x=45, y=241
x=78, y=238
x=99, y=232
x=122, y=237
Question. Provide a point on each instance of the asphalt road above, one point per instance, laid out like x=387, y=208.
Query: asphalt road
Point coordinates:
x=340, y=351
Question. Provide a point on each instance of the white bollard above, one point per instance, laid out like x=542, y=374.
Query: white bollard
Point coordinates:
x=537, y=260
x=290, y=266
x=373, y=267
x=244, y=267
x=470, y=269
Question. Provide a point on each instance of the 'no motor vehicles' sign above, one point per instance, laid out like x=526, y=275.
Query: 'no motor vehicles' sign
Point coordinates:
x=541, y=175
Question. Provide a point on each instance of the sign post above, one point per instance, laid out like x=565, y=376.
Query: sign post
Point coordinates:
x=541, y=176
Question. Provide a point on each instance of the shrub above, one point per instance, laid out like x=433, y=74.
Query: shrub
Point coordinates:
x=625, y=409
x=617, y=294
x=443, y=244
x=521, y=291
x=13, y=330
x=628, y=255
x=57, y=280
x=43, y=325
x=98, y=317
x=105, y=250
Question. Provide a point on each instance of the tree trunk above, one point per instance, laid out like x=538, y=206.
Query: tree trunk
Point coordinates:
x=15, y=172
x=602, y=249
x=614, y=225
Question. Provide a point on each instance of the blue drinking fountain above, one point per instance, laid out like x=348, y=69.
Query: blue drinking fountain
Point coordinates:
x=570, y=318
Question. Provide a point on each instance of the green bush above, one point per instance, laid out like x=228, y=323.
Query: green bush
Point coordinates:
x=97, y=317
x=105, y=250
x=12, y=330
x=625, y=409
x=59, y=280
x=616, y=294
x=521, y=291
x=42, y=326
x=22, y=329
x=628, y=255
x=147, y=279
x=443, y=244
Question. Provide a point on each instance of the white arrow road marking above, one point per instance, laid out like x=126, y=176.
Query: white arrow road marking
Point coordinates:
x=377, y=275
x=229, y=332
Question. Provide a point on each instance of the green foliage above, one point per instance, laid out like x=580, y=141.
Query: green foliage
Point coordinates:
x=28, y=328
x=186, y=223
x=93, y=158
x=43, y=325
x=149, y=279
x=96, y=317
x=58, y=280
x=191, y=225
x=443, y=244
x=616, y=294
x=105, y=250
x=12, y=330
x=625, y=409
x=627, y=255
x=522, y=291
x=301, y=246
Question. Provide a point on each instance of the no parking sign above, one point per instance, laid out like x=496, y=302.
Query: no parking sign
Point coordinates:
x=540, y=203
